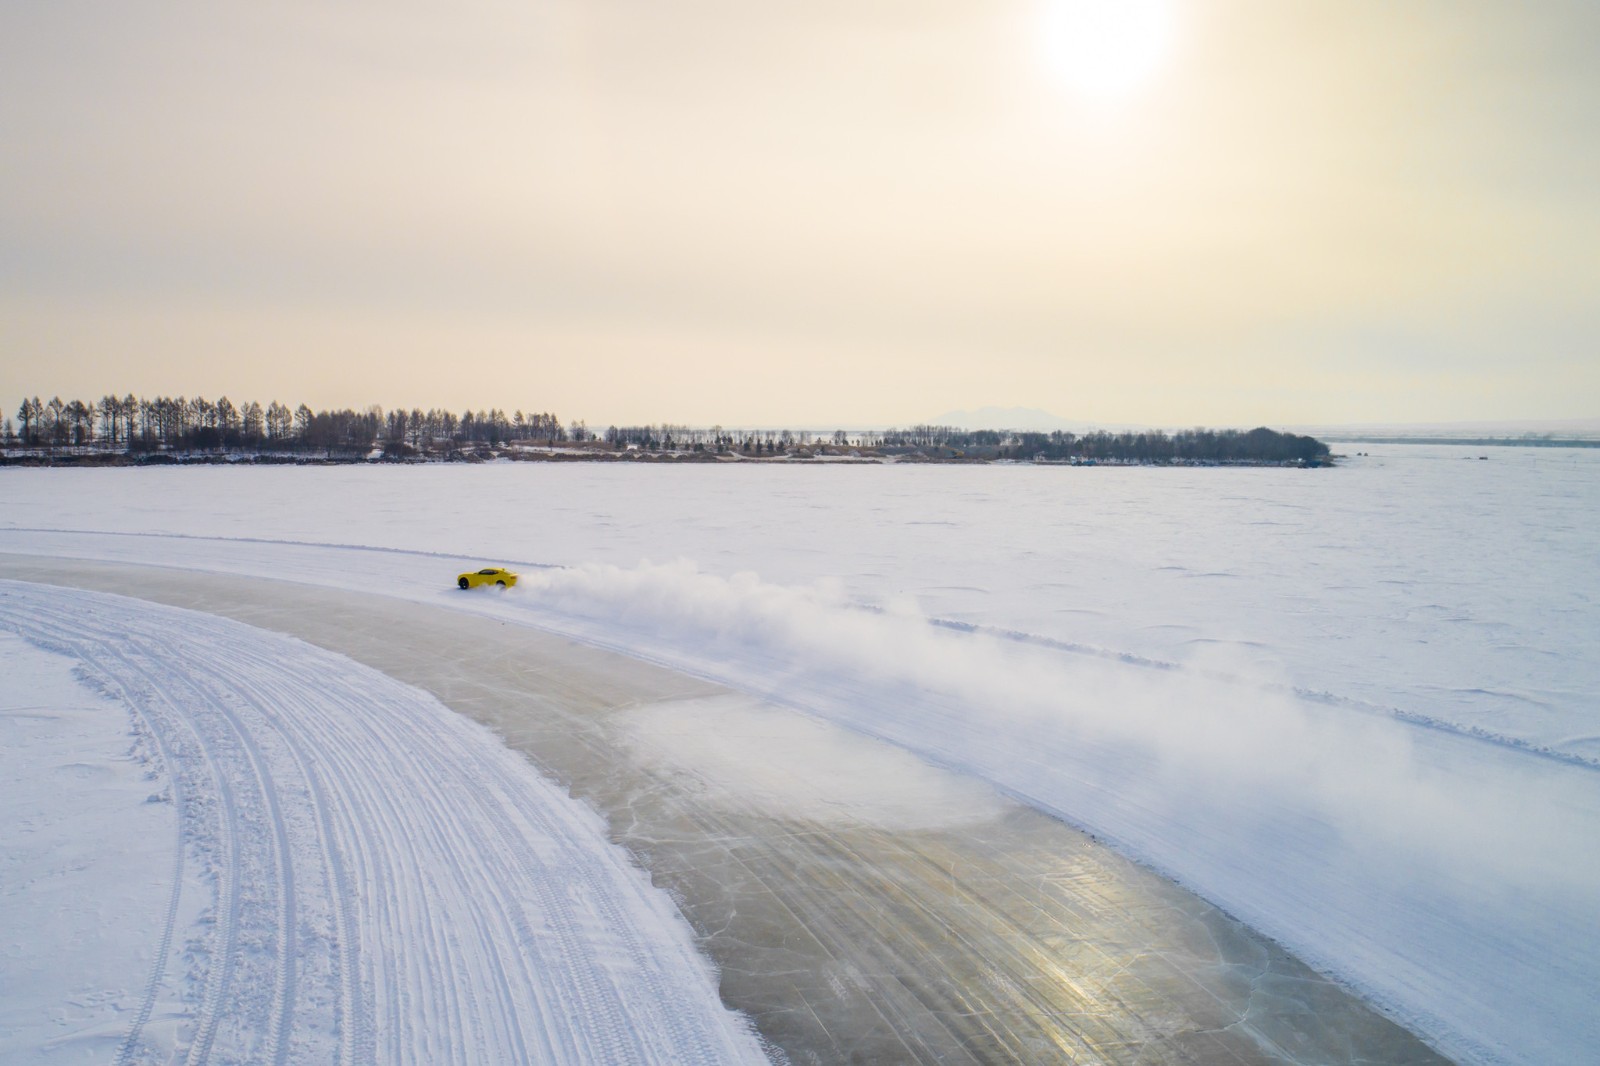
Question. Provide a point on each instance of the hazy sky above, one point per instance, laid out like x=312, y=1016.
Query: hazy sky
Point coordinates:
x=819, y=213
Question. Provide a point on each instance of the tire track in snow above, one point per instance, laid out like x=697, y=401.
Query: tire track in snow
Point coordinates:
x=131, y=682
x=386, y=881
x=223, y=947
x=444, y=946
x=353, y=1014
x=125, y=666
x=281, y=1011
x=118, y=691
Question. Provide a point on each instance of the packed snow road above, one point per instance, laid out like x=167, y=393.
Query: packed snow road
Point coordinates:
x=357, y=874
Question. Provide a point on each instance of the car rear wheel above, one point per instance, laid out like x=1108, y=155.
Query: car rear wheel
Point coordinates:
x=502, y=584
x=464, y=583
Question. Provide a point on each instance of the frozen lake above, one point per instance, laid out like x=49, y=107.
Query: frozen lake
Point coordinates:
x=1201, y=666
x=1417, y=578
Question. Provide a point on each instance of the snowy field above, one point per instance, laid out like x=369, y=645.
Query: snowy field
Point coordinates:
x=1355, y=707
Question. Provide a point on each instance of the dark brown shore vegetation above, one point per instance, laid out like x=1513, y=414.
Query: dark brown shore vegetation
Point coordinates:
x=134, y=431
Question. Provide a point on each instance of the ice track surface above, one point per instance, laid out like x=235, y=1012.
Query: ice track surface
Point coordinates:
x=361, y=875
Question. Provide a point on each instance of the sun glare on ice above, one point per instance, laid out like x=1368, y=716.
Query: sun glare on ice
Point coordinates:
x=1105, y=49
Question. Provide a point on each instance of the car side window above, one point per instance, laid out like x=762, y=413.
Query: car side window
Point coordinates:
x=486, y=573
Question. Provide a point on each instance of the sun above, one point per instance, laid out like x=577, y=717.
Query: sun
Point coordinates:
x=1106, y=49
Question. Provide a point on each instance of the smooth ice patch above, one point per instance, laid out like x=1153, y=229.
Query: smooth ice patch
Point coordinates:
x=743, y=752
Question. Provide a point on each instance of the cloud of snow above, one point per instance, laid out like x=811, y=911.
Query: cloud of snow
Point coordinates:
x=746, y=753
x=1146, y=756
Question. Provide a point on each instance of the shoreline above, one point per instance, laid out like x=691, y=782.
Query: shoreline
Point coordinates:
x=914, y=458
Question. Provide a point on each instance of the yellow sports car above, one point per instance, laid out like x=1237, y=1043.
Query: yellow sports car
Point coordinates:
x=489, y=575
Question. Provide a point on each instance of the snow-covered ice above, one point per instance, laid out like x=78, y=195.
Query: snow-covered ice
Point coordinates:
x=336, y=867
x=1356, y=707
x=1417, y=577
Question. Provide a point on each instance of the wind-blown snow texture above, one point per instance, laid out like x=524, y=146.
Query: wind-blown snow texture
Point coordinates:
x=1319, y=698
x=358, y=875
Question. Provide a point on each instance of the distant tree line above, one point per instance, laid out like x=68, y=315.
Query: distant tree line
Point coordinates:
x=718, y=441
x=1260, y=445
x=139, y=425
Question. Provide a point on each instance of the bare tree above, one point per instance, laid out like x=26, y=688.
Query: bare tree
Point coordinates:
x=54, y=425
x=110, y=418
x=252, y=423
x=28, y=415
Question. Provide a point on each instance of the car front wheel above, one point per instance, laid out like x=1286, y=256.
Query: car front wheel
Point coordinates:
x=464, y=583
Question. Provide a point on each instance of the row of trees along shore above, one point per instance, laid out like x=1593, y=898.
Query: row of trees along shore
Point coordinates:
x=136, y=425
x=198, y=428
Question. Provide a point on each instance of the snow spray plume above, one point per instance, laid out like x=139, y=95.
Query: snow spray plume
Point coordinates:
x=1127, y=752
